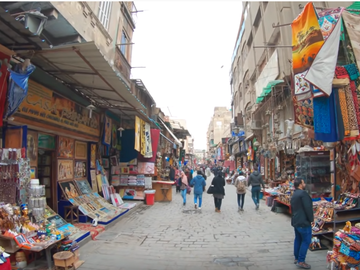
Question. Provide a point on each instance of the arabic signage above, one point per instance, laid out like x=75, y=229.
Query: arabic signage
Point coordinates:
x=240, y=134
x=44, y=105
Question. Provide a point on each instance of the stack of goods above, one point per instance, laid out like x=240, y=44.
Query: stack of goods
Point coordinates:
x=285, y=193
x=347, y=201
x=140, y=181
x=124, y=180
x=132, y=180
x=323, y=212
x=346, y=251
x=37, y=200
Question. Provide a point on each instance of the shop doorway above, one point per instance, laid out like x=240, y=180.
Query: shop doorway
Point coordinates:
x=46, y=171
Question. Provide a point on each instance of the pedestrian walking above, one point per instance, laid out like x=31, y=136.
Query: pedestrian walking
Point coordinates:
x=208, y=172
x=184, y=186
x=178, y=183
x=199, y=185
x=172, y=173
x=219, y=192
x=302, y=215
x=255, y=181
x=240, y=184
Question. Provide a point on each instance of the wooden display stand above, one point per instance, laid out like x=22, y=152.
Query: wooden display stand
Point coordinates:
x=163, y=190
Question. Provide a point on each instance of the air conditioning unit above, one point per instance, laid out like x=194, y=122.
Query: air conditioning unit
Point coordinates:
x=256, y=124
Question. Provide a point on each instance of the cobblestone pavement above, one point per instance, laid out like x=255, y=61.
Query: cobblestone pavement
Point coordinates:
x=170, y=236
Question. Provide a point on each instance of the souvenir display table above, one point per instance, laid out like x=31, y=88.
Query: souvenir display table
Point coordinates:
x=163, y=190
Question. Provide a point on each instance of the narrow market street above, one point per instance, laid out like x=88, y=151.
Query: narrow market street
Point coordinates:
x=170, y=236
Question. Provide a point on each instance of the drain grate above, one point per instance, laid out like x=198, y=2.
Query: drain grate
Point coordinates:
x=192, y=211
x=233, y=261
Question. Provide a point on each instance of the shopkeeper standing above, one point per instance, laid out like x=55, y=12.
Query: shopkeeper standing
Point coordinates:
x=301, y=218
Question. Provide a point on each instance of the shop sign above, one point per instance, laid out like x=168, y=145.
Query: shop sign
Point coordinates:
x=44, y=105
x=46, y=141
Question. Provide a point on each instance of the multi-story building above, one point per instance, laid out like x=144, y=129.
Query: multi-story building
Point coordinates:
x=219, y=127
x=260, y=72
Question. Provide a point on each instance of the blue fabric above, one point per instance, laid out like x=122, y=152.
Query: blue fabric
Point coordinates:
x=128, y=152
x=302, y=242
x=199, y=183
x=196, y=196
x=328, y=123
x=183, y=194
x=255, y=194
x=18, y=87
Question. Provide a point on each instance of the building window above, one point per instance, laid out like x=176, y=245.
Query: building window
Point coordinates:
x=257, y=20
x=124, y=41
x=104, y=13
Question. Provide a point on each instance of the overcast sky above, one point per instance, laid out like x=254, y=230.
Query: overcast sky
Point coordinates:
x=183, y=46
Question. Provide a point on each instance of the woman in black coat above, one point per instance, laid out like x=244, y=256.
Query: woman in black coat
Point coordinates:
x=219, y=192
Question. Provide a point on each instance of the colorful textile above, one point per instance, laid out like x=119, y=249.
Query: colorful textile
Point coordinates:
x=328, y=122
x=352, y=71
x=321, y=72
x=307, y=40
x=344, y=111
x=328, y=19
x=351, y=22
x=341, y=73
x=353, y=124
x=303, y=111
x=356, y=102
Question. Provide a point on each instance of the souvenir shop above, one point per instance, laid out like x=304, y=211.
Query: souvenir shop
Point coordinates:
x=326, y=104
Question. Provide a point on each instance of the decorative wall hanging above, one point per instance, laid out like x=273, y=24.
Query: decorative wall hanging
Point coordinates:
x=107, y=131
x=80, y=150
x=114, y=141
x=80, y=169
x=32, y=148
x=137, y=133
x=93, y=156
x=65, y=147
x=65, y=169
x=83, y=186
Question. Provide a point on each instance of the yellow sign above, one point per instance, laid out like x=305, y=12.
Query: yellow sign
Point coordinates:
x=44, y=105
x=143, y=139
x=137, y=133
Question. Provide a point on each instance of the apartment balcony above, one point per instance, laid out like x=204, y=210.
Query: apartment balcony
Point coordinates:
x=122, y=65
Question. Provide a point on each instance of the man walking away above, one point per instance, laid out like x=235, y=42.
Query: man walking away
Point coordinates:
x=255, y=180
x=301, y=218
x=199, y=185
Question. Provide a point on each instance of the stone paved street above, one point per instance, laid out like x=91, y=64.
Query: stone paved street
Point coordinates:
x=164, y=237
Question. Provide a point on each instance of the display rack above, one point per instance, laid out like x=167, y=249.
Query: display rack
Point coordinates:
x=315, y=169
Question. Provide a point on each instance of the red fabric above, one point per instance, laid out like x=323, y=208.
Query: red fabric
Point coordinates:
x=6, y=265
x=155, y=136
x=3, y=85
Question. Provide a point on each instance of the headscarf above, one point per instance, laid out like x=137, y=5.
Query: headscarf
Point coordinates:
x=184, y=179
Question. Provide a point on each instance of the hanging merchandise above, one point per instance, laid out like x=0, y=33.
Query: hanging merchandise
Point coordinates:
x=4, y=73
x=18, y=86
x=307, y=40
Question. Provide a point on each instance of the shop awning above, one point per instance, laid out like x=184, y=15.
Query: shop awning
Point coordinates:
x=267, y=90
x=249, y=137
x=176, y=139
x=84, y=68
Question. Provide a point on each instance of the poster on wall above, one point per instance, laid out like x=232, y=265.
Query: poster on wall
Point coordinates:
x=80, y=150
x=32, y=147
x=66, y=147
x=93, y=156
x=93, y=180
x=80, y=169
x=148, y=146
x=146, y=168
x=107, y=131
x=46, y=141
x=65, y=169
x=137, y=133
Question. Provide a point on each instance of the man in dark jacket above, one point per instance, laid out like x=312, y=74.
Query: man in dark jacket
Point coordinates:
x=172, y=173
x=301, y=217
x=255, y=181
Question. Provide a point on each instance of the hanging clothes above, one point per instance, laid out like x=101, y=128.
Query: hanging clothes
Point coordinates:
x=4, y=74
x=328, y=122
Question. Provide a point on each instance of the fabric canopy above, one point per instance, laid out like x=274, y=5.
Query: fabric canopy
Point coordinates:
x=267, y=90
